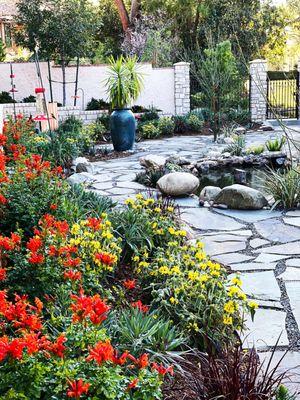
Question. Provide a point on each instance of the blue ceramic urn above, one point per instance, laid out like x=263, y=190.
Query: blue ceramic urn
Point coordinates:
x=122, y=128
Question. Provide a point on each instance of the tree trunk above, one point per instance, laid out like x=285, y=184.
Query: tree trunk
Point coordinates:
x=123, y=14
x=135, y=12
x=63, y=69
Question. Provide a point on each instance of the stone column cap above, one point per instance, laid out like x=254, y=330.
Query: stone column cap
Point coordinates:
x=182, y=64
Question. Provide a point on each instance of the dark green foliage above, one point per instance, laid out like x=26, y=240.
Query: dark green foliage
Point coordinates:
x=95, y=104
x=2, y=51
x=151, y=115
x=5, y=97
x=181, y=125
x=105, y=120
x=150, y=177
x=29, y=99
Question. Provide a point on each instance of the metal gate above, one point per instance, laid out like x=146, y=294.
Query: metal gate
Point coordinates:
x=283, y=94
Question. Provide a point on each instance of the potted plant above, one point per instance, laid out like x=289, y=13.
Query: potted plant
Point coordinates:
x=124, y=84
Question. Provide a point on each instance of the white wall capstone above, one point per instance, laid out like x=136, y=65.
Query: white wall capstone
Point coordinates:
x=182, y=88
x=258, y=90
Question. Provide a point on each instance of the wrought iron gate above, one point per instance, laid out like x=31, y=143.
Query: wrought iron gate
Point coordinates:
x=283, y=94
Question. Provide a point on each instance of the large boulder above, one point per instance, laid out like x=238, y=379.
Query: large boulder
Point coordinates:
x=153, y=161
x=209, y=193
x=241, y=197
x=178, y=184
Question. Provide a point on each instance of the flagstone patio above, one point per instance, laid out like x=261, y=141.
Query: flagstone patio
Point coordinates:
x=263, y=246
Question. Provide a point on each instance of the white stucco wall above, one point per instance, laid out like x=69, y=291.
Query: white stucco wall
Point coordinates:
x=159, y=84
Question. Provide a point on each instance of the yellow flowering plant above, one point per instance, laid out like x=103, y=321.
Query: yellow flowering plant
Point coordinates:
x=195, y=292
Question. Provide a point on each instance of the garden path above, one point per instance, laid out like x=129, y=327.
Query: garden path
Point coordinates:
x=263, y=246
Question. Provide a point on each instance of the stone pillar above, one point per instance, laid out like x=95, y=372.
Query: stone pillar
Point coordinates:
x=258, y=90
x=182, y=88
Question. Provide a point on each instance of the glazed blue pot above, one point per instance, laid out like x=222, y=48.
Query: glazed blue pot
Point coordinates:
x=122, y=129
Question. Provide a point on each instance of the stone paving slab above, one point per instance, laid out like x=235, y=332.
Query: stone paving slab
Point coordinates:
x=217, y=248
x=277, y=231
x=261, y=285
x=249, y=215
x=285, y=249
x=253, y=266
x=293, y=292
x=269, y=258
x=265, y=330
x=291, y=274
x=255, y=243
x=232, y=258
x=293, y=262
x=292, y=221
x=202, y=218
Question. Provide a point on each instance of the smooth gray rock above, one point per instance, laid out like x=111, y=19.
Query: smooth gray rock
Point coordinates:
x=217, y=248
x=264, y=331
x=82, y=167
x=178, y=184
x=294, y=213
x=204, y=219
x=269, y=258
x=277, y=231
x=153, y=161
x=81, y=178
x=209, y=193
x=241, y=198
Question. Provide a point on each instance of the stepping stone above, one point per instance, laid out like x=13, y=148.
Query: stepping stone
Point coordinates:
x=292, y=221
x=131, y=185
x=270, y=304
x=264, y=331
x=286, y=249
x=293, y=262
x=127, y=177
x=254, y=243
x=277, y=231
x=260, y=285
x=202, y=218
x=294, y=213
x=121, y=191
x=235, y=234
x=269, y=258
x=103, y=185
x=253, y=266
x=290, y=274
x=223, y=238
x=216, y=248
x=187, y=202
x=249, y=215
x=293, y=290
x=289, y=361
x=231, y=258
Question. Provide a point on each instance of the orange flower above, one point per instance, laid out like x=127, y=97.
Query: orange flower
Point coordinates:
x=36, y=258
x=129, y=284
x=34, y=244
x=73, y=275
x=77, y=388
x=133, y=384
x=102, y=352
x=162, y=370
x=58, y=348
x=138, y=304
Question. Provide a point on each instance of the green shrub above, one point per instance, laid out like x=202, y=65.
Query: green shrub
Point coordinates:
x=237, y=147
x=151, y=115
x=149, y=131
x=166, y=125
x=71, y=124
x=140, y=332
x=95, y=131
x=239, y=115
x=95, y=104
x=104, y=119
x=29, y=99
x=259, y=149
x=194, y=123
x=283, y=186
x=181, y=125
x=5, y=97
x=275, y=144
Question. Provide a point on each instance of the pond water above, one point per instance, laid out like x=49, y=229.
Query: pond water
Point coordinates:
x=228, y=176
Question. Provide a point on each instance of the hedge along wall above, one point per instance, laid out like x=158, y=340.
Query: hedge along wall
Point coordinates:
x=164, y=88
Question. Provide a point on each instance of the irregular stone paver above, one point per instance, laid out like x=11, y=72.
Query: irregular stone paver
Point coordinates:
x=293, y=262
x=277, y=231
x=291, y=362
x=223, y=238
x=253, y=266
x=250, y=215
x=261, y=285
x=265, y=330
x=255, y=243
x=234, y=234
x=287, y=248
x=269, y=258
x=202, y=218
x=269, y=304
x=217, y=248
x=293, y=291
x=117, y=190
x=232, y=258
x=292, y=221
x=291, y=274
x=294, y=213
x=187, y=202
